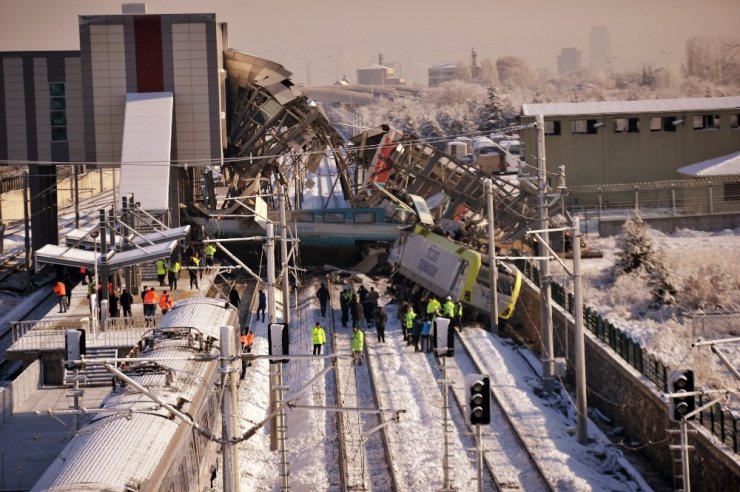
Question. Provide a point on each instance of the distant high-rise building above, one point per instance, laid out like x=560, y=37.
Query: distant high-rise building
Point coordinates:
x=599, y=48
x=569, y=61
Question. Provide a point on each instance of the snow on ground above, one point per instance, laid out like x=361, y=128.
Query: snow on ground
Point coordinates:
x=668, y=332
x=409, y=380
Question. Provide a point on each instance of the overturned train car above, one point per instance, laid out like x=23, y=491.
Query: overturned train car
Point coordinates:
x=446, y=268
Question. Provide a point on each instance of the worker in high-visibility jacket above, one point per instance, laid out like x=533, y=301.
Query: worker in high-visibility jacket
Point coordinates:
x=448, y=308
x=358, y=345
x=173, y=273
x=150, y=306
x=408, y=323
x=318, y=336
x=433, y=306
x=210, y=251
x=161, y=271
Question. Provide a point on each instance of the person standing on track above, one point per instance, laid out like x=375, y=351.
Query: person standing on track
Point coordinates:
x=173, y=272
x=381, y=318
x=210, y=251
x=318, y=337
x=323, y=295
x=345, y=299
x=408, y=324
x=358, y=345
x=262, y=305
x=150, y=306
x=193, y=265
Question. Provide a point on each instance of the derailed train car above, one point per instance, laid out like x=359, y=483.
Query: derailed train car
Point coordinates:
x=447, y=268
x=135, y=443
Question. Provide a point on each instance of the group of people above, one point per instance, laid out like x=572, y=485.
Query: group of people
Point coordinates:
x=151, y=300
x=418, y=327
x=318, y=338
x=361, y=307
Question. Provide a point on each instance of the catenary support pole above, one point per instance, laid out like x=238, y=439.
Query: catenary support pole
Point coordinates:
x=581, y=394
x=284, y=257
x=492, y=270
x=282, y=423
x=548, y=352
x=685, y=479
x=229, y=409
x=446, y=485
x=479, y=455
x=77, y=194
x=270, y=253
x=27, y=229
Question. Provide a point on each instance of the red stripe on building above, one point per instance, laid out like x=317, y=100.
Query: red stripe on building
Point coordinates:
x=148, y=37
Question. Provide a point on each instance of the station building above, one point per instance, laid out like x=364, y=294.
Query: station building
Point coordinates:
x=615, y=142
x=70, y=106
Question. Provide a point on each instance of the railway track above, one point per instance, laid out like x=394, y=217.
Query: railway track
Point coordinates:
x=509, y=457
x=365, y=462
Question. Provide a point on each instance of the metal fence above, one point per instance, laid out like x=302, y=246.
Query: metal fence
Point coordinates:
x=723, y=424
x=48, y=334
x=699, y=196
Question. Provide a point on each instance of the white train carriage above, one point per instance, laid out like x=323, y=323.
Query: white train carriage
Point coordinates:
x=138, y=445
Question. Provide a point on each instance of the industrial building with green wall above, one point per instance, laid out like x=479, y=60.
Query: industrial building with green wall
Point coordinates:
x=612, y=142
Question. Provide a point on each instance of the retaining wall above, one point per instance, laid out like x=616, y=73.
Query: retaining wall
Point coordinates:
x=628, y=399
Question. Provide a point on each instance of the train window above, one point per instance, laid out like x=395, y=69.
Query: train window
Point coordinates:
x=303, y=217
x=706, y=122
x=365, y=218
x=333, y=218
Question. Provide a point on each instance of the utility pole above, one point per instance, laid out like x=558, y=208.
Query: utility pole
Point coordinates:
x=284, y=257
x=446, y=484
x=548, y=350
x=77, y=195
x=27, y=229
x=492, y=270
x=581, y=393
x=229, y=408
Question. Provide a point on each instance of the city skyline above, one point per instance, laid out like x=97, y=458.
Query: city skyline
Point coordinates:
x=331, y=38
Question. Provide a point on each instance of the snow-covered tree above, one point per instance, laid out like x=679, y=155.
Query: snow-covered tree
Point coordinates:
x=496, y=113
x=638, y=253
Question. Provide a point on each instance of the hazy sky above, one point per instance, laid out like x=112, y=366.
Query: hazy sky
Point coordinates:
x=333, y=36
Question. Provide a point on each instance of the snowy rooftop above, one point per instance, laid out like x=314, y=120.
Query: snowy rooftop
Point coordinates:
x=726, y=165
x=624, y=107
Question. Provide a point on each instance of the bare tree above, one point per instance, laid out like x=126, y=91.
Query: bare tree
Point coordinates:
x=712, y=59
x=513, y=72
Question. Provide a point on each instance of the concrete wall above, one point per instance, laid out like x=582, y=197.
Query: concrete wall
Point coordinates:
x=13, y=396
x=629, y=399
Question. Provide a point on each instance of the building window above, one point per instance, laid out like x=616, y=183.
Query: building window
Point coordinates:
x=584, y=126
x=706, y=122
x=734, y=121
x=58, y=111
x=732, y=192
x=627, y=125
x=670, y=123
x=552, y=128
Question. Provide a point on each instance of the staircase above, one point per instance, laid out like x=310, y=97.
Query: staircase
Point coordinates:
x=91, y=374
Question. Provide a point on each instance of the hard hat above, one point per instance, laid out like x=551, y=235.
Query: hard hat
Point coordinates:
x=448, y=298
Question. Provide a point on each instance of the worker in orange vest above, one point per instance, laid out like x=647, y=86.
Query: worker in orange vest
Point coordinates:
x=165, y=302
x=61, y=292
x=150, y=305
x=247, y=339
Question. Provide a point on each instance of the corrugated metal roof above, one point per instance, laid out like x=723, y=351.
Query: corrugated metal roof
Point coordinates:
x=145, y=154
x=726, y=165
x=626, y=107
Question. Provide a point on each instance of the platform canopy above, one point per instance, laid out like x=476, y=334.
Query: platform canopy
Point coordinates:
x=726, y=165
x=81, y=237
x=79, y=258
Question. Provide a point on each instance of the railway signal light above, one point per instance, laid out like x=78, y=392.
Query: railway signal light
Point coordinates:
x=277, y=341
x=681, y=381
x=444, y=342
x=478, y=392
